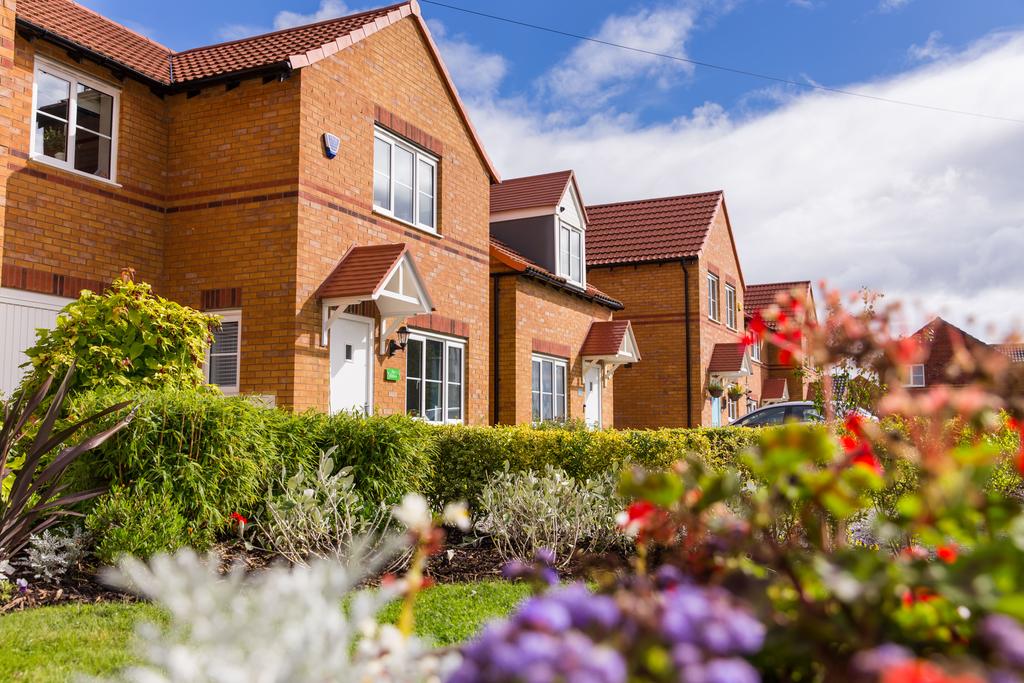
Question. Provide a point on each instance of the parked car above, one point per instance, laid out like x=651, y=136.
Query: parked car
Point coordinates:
x=791, y=411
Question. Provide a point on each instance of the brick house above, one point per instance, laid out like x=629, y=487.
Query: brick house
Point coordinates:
x=778, y=381
x=321, y=187
x=673, y=264
x=554, y=344
x=940, y=341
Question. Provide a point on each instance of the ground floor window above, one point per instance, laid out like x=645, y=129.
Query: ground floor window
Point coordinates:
x=434, y=386
x=734, y=410
x=751, y=405
x=716, y=411
x=549, y=385
x=224, y=356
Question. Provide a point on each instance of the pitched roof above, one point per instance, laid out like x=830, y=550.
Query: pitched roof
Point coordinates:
x=605, y=337
x=292, y=48
x=1014, y=351
x=651, y=229
x=727, y=358
x=530, y=192
x=757, y=297
x=361, y=271
x=298, y=46
x=774, y=389
x=511, y=258
x=930, y=332
x=96, y=33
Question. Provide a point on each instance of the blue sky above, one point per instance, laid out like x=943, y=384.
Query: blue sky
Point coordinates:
x=923, y=206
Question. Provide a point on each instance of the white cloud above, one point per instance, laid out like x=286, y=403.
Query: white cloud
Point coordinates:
x=892, y=5
x=593, y=73
x=932, y=49
x=475, y=72
x=328, y=9
x=918, y=204
x=238, y=31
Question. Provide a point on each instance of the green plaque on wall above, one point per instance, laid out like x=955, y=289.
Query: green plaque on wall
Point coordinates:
x=392, y=374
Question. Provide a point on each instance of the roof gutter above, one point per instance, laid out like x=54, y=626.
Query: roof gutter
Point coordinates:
x=686, y=327
x=548, y=279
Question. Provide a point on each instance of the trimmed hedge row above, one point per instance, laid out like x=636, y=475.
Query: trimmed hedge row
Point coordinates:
x=208, y=456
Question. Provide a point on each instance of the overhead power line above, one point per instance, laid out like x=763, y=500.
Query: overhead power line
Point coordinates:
x=727, y=69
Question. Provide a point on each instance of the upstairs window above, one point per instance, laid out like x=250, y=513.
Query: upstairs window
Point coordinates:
x=713, y=308
x=916, y=376
x=570, y=253
x=75, y=121
x=224, y=355
x=755, y=351
x=404, y=181
x=730, y=306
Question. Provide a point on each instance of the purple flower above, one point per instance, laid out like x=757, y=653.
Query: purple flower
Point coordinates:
x=545, y=615
x=22, y=585
x=545, y=556
x=1006, y=636
x=732, y=670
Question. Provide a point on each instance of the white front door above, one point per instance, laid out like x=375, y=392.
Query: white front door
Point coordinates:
x=592, y=397
x=351, y=342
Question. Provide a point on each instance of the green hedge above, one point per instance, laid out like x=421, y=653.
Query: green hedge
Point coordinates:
x=198, y=457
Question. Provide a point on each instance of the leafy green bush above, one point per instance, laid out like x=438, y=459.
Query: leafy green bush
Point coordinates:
x=527, y=511
x=126, y=336
x=138, y=522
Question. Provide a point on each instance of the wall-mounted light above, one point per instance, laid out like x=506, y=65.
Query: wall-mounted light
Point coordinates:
x=403, y=341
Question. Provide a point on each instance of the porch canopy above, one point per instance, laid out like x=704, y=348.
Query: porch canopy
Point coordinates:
x=383, y=273
x=730, y=361
x=609, y=344
x=774, y=390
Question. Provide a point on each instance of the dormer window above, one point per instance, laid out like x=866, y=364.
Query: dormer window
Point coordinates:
x=570, y=253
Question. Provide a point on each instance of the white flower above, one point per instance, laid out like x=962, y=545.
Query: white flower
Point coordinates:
x=414, y=513
x=5, y=569
x=457, y=514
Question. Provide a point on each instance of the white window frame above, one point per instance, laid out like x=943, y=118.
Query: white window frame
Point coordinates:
x=730, y=306
x=226, y=316
x=566, y=231
x=419, y=155
x=714, y=302
x=755, y=350
x=910, y=375
x=448, y=342
x=734, y=409
x=554, y=362
x=74, y=78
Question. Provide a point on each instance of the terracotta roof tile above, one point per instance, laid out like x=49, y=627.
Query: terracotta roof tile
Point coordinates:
x=361, y=271
x=270, y=48
x=1014, y=351
x=651, y=229
x=604, y=338
x=758, y=297
x=726, y=358
x=513, y=259
x=96, y=33
x=531, y=192
x=774, y=389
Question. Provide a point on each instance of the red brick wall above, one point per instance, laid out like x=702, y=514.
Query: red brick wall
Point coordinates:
x=232, y=185
x=651, y=393
x=535, y=317
x=8, y=109
x=60, y=222
x=393, y=71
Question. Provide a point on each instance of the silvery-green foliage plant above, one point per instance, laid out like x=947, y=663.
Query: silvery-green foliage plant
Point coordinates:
x=527, y=511
x=284, y=625
x=320, y=515
x=53, y=552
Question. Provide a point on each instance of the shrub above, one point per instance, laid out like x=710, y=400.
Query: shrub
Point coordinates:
x=139, y=523
x=527, y=511
x=126, y=336
x=319, y=514
x=51, y=554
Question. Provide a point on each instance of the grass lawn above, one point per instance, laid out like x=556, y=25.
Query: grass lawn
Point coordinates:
x=51, y=644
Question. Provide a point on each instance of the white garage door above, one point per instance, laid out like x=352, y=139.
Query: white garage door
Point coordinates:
x=21, y=313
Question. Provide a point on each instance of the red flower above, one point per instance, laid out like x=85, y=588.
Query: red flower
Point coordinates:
x=785, y=356
x=870, y=461
x=639, y=511
x=239, y=518
x=946, y=553
x=1018, y=426
x=918, y=671
x=757, y=326
x=748, y=340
